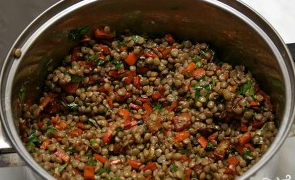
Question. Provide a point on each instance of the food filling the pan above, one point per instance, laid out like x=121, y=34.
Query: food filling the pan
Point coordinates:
x=135, y=107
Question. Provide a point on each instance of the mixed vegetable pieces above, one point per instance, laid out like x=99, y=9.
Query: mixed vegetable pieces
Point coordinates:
x=132, y=107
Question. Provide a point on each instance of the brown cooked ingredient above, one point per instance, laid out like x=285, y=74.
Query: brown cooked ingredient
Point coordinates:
x=140, y=108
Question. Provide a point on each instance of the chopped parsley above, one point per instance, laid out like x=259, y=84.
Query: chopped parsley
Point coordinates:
x=158, y=107
x=33, y=140
x=92, y=161
x=199, y=64
x=196, y=59
x=118, y=64
x=210, y=146
x=213, y=81
x=76, y=79
x=50, y=130
x=73, y=106
x=92, y=141
x=137, y=39
x=247, y=87
x=78, y=33
x=174, y=168
x=248, y=155
x=103, y=170
x=61, y=168
x=70, y=150
x=99, y=62
x=108, y=58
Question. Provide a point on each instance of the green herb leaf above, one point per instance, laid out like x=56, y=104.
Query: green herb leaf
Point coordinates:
x=78, y=33
x=158, y=107
x=70, y=150
x=92, y=141
x=248, y=86
x=213, y=81
x=31, y=147
x=108, y=58
x=118, y=64
x=197, y=86
x=137, y=39
x=99, y=62
x=73, y=106
x=196, y=59
x=61, y=168
x=33, y=140
x=174, y=168
x=210, y=146
x=194, y=175
x=248, y=155
x=120, y=43
x=119, y=129
x=48, y=122
x=76, y=79
x=208, y=87
x=199, y=64
x=92, y=161
x=89, y=154
x=50, y=130
x=103, y=170
x=90, y=57
x=184, y=151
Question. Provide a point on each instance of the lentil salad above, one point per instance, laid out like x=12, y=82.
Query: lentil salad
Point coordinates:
x=133, y=107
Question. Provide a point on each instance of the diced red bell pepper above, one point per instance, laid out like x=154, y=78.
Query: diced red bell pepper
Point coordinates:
x=245, y=138
x=136, y=82
x=45, y=144
x=100, y=158
x=173, y=106
x=89, y=172
x=116, y=162
x=181, y=121
x=110, y=101
x=233, y=160
x=147, y=107
x=103, y=48
x=134, y=106
x=169, y=39
x=129, y=77
x=142, y=70
x=100, y=34
x=198, y=72
x=150, y=54
x=166, y=52
x=70, y=88
x=62, y=155
x=203, y=141
x=182, y=135
x=107, y=136
x=74, y=54
x=191, y=67
x=134, y=163
x=131, y=59
x=151, y=166
x=156, y=95
x=113, y=74
x=76, y=132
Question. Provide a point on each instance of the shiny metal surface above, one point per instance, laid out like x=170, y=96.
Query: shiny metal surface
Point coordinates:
x=237, y=34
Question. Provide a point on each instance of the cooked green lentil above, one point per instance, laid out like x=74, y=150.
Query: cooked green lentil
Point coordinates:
x=140, y=108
